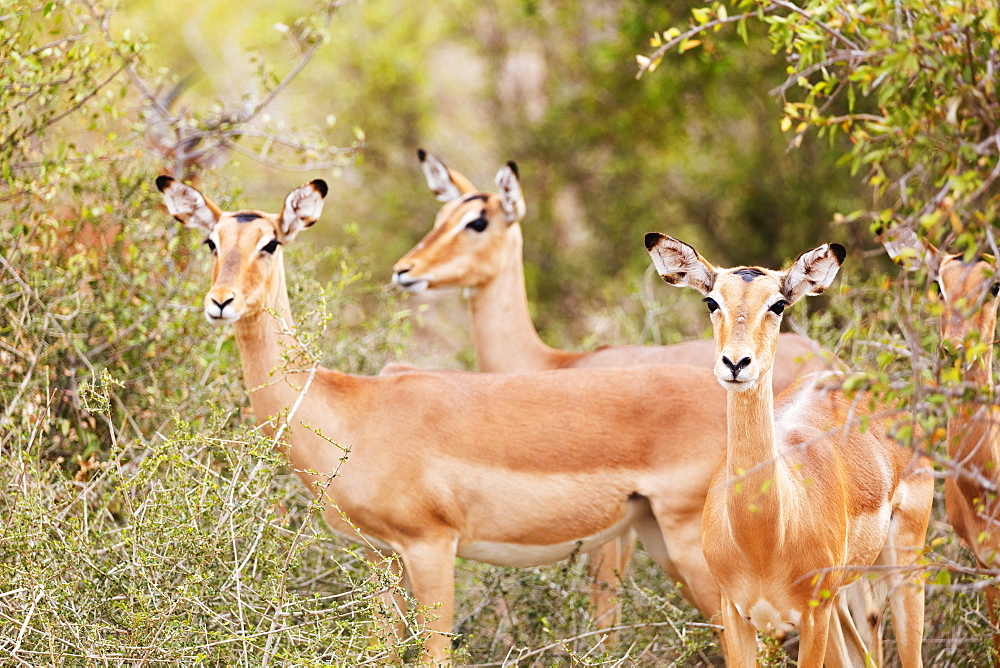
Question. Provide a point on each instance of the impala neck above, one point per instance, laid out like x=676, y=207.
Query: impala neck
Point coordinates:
x=263, y=344
x=753, y=460
x=973, y=432
x=980, y=372
x=505, y=338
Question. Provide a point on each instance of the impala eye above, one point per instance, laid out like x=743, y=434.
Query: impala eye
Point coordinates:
x=271, y=246
x=479, y=224
x=778, y=307
x=712, y=305
x=211, y=245
x=995, y=289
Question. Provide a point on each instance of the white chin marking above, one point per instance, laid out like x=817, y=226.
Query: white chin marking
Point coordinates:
x=737, y=386
x=219, y=322
x=416, y=286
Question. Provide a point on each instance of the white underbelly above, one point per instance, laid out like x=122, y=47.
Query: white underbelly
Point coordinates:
x=524, y=556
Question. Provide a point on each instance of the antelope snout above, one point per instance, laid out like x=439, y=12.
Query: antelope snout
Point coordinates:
x=736, y=368
x=401, y=277
x=221, y=307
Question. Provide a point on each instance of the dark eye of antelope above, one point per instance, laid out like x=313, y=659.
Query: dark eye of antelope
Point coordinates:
x=995, y=289
x=712, y=305
x=271, y=246
x=778, y=307
x=211, y=245
x=479, y=224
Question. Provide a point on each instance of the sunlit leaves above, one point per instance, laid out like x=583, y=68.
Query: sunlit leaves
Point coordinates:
x=910, y=83
x=52, y=70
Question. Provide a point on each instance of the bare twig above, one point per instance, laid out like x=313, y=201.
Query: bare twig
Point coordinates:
x=812, y=19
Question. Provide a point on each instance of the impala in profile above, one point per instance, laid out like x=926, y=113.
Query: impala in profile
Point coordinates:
x=516, y=470
x=968, y=289
x=807, y=498
x=476, y=244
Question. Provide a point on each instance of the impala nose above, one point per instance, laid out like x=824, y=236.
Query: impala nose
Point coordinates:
x=220, y=311
x=737, y=367
x=399, y=276
x=223, y=305
x=402, y=278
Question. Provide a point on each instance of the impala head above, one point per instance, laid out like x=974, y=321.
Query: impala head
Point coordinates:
x=746, y=303
x=463, y=248
x=968, y=289
x=246, y=245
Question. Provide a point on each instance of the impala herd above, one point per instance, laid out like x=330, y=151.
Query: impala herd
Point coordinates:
x=773, y=498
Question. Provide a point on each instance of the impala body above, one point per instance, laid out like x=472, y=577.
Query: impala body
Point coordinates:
x=517, y=470
x=806, y=499
x=476, y=244
x=969, y=291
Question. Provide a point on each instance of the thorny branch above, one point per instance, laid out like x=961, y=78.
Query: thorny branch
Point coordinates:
x=658, y=54
x=222, y=130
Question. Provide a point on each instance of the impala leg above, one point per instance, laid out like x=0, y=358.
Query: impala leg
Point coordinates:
x=848, y=644
x=813, y=635
x=740, y=637
x=992, y=603
x=904, y=545
x=906, y=600
x=607, y=565
x=390, y=616
x=866, y=600
x=676, y=547
x=837, y=652
x=430, y=570
x=672, y=538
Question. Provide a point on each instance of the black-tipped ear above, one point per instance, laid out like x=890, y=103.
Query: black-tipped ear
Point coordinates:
x=163, y=182
x=513, y=168
x=652, y=238
x=321, y=187
x=813, y=272
x=188, y=205
x=909, y=250
x=302, y=208
x=444, y=182
x=839, y=252
x=511, y=197
x=679, y=264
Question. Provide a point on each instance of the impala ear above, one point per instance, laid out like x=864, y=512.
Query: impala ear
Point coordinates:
x=302, y=208
x=188, y=205
x=813, y=272
x=444, y=182
x=511, y=198
x=908, y=250
x=679, y=264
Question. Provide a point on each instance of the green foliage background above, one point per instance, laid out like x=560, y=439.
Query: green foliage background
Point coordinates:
x=144, y=520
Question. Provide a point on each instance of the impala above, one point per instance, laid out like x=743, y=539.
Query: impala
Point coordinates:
x=476, y=243
x=805, y=499
x=516, y=470
x=969, y=292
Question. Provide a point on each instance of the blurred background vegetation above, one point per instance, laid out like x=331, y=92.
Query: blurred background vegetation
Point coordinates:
x=117, y=399
x=604, y=158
